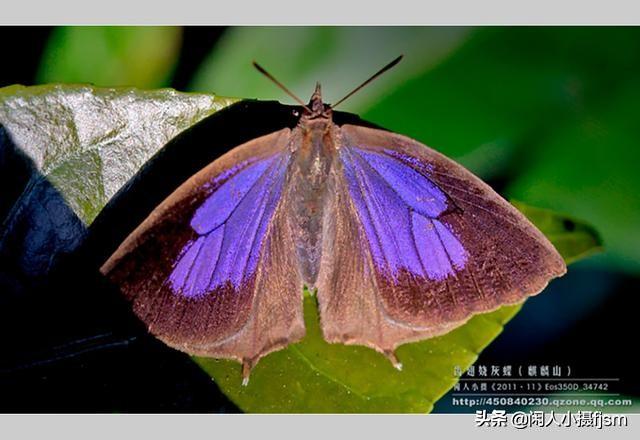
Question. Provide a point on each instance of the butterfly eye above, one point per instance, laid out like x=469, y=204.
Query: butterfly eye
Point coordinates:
x=296, y=113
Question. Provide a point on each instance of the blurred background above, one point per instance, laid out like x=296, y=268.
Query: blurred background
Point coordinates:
x=549, y=116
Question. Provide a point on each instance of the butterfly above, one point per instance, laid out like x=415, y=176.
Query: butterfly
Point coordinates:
x=398, y=242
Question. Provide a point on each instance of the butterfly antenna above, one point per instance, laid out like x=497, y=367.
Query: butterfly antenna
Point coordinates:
x=282, y=86
x=374, y=76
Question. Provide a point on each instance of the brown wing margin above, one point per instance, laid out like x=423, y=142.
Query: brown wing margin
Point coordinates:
x=509, y=259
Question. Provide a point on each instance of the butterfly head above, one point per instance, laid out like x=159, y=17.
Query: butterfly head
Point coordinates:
x=316, y=109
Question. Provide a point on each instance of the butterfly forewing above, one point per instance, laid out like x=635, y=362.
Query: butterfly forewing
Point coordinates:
x=212, y=270
x=416, y=244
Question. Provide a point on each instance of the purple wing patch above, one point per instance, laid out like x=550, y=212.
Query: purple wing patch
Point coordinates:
x=399, y=209
x=224, y=201
x=231, y=226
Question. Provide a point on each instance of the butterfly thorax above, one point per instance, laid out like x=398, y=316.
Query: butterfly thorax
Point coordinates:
x=313, y=144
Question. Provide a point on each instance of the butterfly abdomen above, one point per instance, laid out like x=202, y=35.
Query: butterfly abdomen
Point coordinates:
x=307, y=176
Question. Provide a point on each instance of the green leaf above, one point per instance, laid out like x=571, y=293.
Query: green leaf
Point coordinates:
x=314, y=376
x=142, y=56
x=89, y=141
x=81, y=145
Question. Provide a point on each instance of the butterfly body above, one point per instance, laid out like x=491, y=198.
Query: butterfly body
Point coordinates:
x=313, y=145
x=400, y=243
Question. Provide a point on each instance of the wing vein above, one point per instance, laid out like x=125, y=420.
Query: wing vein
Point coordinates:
x=366, y=205
x=388, y=185
x=267, y=200
x=244, y=196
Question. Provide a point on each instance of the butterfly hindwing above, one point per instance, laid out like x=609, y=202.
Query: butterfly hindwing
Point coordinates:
x=434, y=244
x=196, y=269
